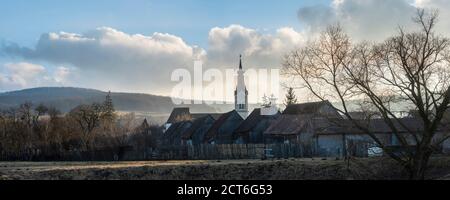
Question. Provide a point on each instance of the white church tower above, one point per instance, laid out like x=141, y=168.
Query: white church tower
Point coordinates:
x=241, y=93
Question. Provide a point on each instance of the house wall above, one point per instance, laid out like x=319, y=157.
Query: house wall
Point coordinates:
x=330, y=145
x=339, y=145
x=256, y=136
x=348, y=144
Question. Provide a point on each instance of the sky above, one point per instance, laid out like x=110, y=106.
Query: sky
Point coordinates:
x=23, y=21
x=135, y=45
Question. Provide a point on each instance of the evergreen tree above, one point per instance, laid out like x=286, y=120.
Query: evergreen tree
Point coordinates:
x=290, y=97
x=108, y=108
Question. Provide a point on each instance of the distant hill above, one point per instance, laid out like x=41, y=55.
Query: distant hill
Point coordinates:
x=66, y=98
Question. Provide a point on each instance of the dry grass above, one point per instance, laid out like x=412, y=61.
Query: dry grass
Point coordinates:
x=297, y=169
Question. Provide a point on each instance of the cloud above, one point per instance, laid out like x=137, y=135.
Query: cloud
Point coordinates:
x=64, y=75
x=259, y=50
x=371, y=19
x=113, y=59
x=25, y=70
x=106, y=58
x=23, y=74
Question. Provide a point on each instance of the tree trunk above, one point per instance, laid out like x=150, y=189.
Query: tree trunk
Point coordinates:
x=418, y=165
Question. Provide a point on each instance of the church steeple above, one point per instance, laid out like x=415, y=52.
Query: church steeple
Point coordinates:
x=241, y=93
x=240, y=61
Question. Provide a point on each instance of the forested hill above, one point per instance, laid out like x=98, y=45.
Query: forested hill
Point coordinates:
x=66, y=98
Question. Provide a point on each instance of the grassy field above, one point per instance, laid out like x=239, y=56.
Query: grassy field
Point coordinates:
x=298, y=169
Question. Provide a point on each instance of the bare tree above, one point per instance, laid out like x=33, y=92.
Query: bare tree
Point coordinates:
x=88, y=118
x=126, y=124
x=411, y=68
x=26, y=114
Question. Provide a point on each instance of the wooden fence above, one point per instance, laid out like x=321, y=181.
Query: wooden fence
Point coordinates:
x=182, y=152
x=235, y=151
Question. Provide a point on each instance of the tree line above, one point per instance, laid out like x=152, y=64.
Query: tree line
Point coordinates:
x=39, y=130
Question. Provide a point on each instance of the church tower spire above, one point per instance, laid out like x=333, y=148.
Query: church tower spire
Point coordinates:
x=241, y=93
x=240, y=61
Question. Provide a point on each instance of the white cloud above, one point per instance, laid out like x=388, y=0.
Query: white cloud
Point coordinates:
x=109, y=59
x=64, y=75
x=25, y=70
x=24, y=75
x=259, y=49
x=371, y=19
x=19, y=75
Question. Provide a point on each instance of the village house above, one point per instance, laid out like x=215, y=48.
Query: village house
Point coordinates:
x=342, y=138
x=221, y=132
x=251, y=130
x=196, y=133
x=321, y=130
x=321, y=109
x=173, y=135
x=338, y=137
x=288, y=127
x=183, y=114
x=177, y=115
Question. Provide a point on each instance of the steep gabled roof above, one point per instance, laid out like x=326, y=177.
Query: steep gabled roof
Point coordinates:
x=332, y=127
x=178, y=114
x=380, y=126
x=305, y=108
x=288, y=124
x=215, y=116
x=177, y=128
x=173, y=135
x=252, y=121
x=359, y=115
x=219, y=123
x=184, y=114
x=196, y=124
